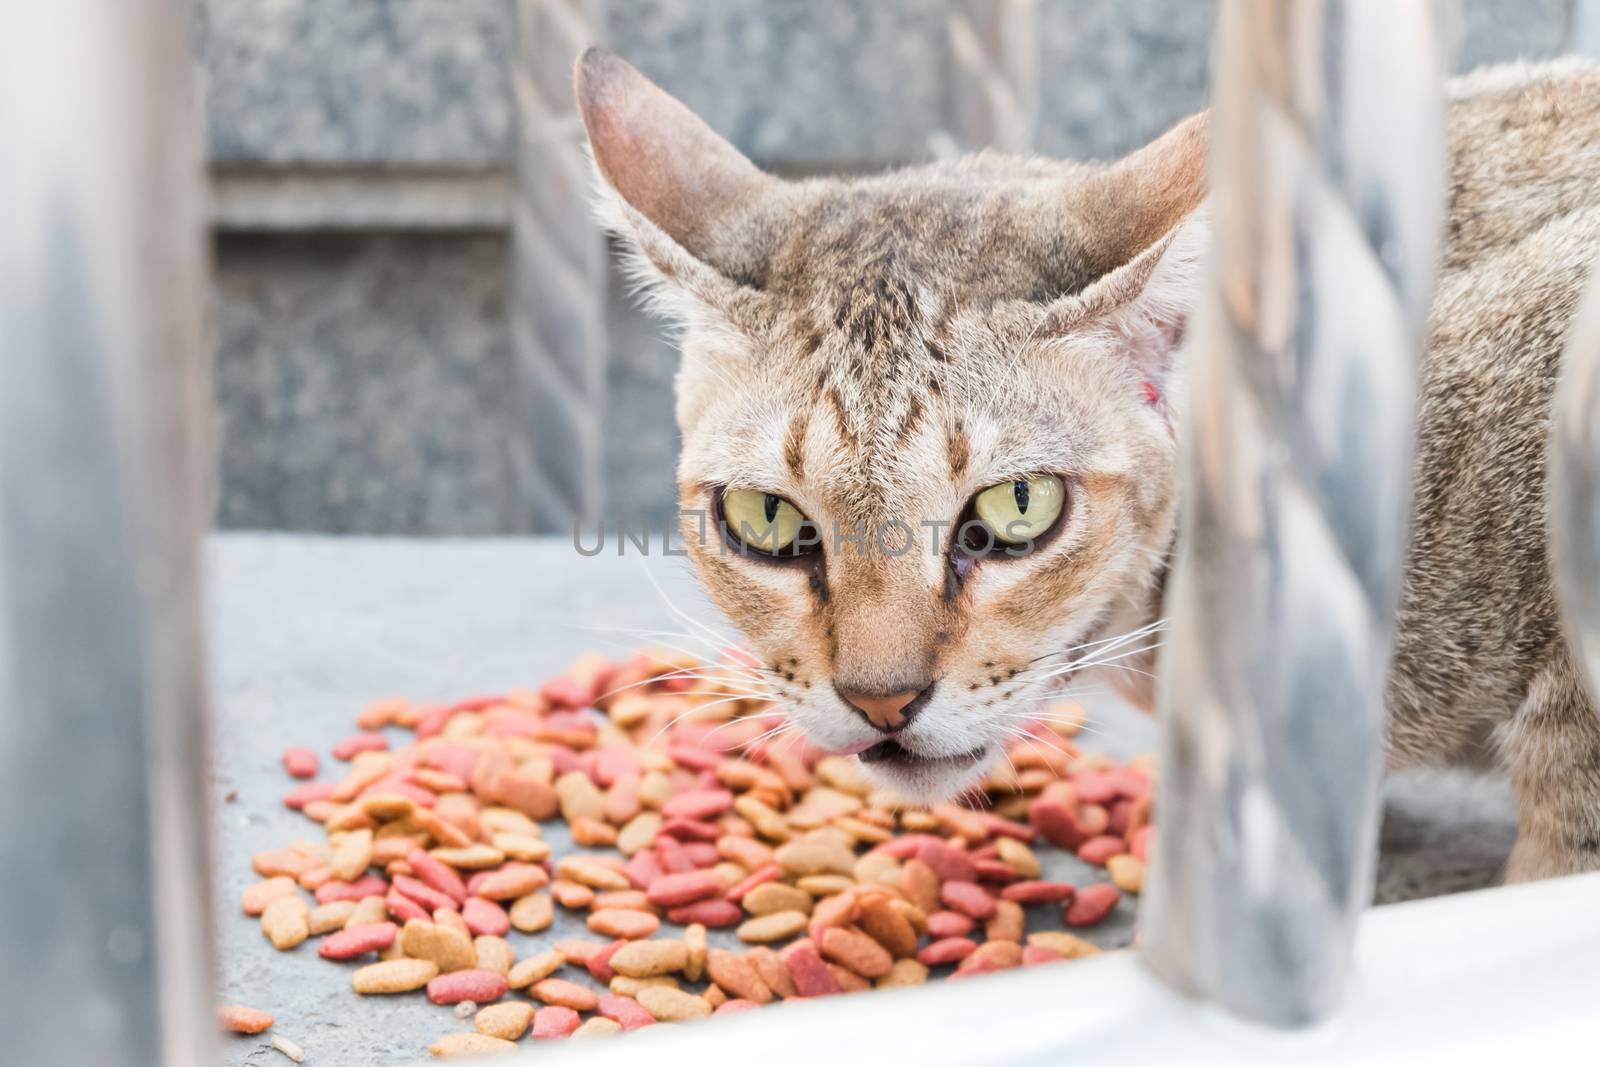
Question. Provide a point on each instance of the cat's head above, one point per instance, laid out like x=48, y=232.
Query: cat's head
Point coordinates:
x=983, y=345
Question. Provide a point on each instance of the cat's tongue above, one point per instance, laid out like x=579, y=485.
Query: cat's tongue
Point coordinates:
x=859, y=746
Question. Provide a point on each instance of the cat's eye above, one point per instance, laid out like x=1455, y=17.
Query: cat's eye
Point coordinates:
x=764, y=522
x=1019, y=512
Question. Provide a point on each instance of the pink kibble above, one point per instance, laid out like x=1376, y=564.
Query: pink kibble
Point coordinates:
x=1097, y=850
x=356, y=940
x=689, y=829
x=995, y=871
x=436, y=875
x=395, y=785
x=555, y=1020
x=528, y=725
x=714, y=914
x=734, y=1007
x=624, y=1010
x=674, y=858
x=567, y=693
x=356, y=743
x=702, y=853
x=428, y=897
x=368, y=885
x=1094, y=787
x=477, y=703
x=943, y=924
x=454, y=759
x=301, y=795
x=1033, y=955
x=571, y=722
x=968, y=898
x=300, y=762
x=403, y=907
x=480, y=987
x=695, y=759
x=947, y=950
x=1038, y=892
x=810, y=972
x=643, y=869
x=563, y=760
x=949, y=863
x=485, y=917
x=613, y=763
x=671, y=890
x=1092, y=904
x=906, y=845
x=599, y=964
x=1057, y=823
x=431, y=723
x=700, y=804
x=760, y=876
x=1003, y=827
x=1130, y=783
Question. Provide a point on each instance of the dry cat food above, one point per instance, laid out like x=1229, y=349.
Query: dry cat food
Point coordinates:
x=688, y=812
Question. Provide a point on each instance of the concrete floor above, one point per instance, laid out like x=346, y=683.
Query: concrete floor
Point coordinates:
x=307, y=630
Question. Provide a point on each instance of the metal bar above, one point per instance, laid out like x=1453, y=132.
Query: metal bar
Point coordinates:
x=1574, y=486
x=994, y=76
x=103, y=382
x=1585, y=31
x=1327, y=194
x=558, y=273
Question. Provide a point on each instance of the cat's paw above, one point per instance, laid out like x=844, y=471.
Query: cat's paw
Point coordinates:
x=1534, y=858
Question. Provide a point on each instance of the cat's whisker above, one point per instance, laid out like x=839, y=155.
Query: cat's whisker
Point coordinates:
x=753, y=690
x=782, y=715
x=645, y=631
x=723, y=700
x=1093, y=651
x=1090, y=664
x=1114, y=641
x=1083, y=728
x=1005, y=754
x=1033, y=742
x=691, y=710
x=776, y=731
x=1053, y=698
x=696, y=708
x=727, y=642
x=728, y=675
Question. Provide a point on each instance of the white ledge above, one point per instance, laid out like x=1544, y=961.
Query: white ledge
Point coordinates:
x=1509, y=975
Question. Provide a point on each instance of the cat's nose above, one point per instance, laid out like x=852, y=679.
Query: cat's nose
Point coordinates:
x=885, y=711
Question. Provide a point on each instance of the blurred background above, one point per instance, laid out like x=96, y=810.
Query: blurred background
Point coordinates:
x=417, y=330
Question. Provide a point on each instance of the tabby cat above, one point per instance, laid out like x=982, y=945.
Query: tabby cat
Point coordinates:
x=934, y=411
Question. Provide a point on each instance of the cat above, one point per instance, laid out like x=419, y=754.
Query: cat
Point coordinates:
x=955, y=349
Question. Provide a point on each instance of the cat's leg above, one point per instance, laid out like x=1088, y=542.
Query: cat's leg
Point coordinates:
x=1552, y=749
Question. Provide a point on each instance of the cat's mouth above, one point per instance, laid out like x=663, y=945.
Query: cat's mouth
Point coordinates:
x=891, y=754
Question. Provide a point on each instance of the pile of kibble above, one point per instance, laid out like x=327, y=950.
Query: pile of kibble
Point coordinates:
x=693, y=811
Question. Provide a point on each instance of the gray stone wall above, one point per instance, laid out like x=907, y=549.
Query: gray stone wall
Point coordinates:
x=360, y=156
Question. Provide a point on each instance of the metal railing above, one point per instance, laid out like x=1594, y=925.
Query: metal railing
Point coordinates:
x=558, y=279
x=1327, y=185
x=1327, y=192
x=104, y=496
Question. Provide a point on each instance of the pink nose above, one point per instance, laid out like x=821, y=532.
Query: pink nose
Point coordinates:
x=884, y=712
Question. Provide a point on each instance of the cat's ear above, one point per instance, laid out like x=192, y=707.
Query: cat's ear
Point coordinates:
x=1146, y=225
x=1124, y=209
x=687, y=201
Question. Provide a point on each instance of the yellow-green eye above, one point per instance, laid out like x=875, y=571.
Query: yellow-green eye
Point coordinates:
x=1023, y=510
x=760, y=520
